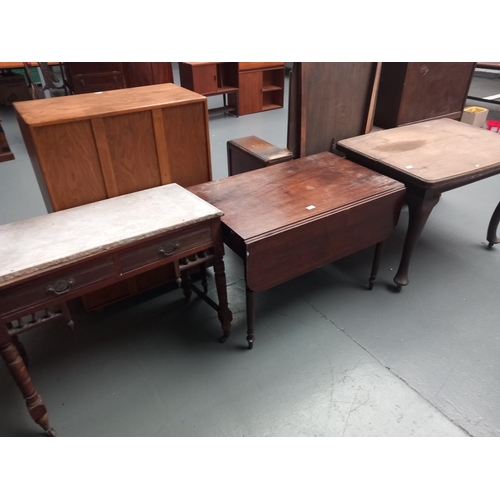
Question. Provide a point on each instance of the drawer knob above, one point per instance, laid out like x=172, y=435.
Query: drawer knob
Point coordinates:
x=60, y=286
x=168, y=249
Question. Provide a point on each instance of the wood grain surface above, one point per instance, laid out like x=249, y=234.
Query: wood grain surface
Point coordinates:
x=433, y=152
x=84, y=106
x=262, y=201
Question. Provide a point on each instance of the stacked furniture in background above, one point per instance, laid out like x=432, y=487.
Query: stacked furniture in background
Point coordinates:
x=247, y=87
x=86, y=148
x=87, y=77
x=327, y=102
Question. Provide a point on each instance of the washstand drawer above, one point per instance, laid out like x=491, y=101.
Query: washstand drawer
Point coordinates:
x=163, y=248
x=56, y=285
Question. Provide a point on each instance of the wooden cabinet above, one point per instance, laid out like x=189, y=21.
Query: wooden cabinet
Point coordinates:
x=417, y=91
x=211, y=78
x=89, y=147
x=87, y=77
x=260, y=87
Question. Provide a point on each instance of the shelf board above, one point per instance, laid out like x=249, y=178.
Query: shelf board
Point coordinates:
x=270, y=88
x=267, y=107
x=222, y=90
x=220, y=111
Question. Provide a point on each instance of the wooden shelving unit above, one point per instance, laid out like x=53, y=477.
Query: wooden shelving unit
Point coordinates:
x=210, y=79
x=261, y=87
x=248, y=87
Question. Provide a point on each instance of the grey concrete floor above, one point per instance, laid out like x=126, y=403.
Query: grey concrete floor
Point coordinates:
x=330, y=359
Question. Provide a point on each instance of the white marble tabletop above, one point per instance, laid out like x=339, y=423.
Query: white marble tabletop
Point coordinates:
x=33, y=245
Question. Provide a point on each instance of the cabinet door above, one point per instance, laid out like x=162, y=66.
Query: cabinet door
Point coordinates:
x=250, y=92
x=205, y=78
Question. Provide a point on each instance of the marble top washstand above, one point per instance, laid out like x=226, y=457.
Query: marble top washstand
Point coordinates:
x=46, y=242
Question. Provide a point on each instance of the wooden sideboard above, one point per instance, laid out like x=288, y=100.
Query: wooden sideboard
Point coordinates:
x=411, y=92
x=89, y=147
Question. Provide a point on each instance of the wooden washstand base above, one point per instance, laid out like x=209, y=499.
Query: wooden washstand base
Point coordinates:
x=223, y=312
x=17, y=368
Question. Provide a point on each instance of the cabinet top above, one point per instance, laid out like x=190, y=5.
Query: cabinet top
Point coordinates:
x=106, y=103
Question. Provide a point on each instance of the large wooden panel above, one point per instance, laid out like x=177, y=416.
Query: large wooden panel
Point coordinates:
x=138, y=74
x=162, y=72
x=188, y=145
x=133, y=151
x=328, y=102
x=413, y=92
x=70, y=164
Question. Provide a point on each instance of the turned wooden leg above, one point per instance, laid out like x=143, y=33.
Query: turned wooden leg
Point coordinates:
x=19, y=372
x=186, y=285
x=21, y=349
x=224, y=313
x=492, y=237
x=419, y=209
x=250, y=297
x=376, y=264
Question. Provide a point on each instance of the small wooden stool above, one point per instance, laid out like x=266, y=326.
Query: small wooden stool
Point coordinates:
x=251, y=153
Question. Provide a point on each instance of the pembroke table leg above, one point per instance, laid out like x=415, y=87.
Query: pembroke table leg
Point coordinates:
x=419, y=209
x=376, y=264
x=186, y=284
x=492, y=237
x=15, y=364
